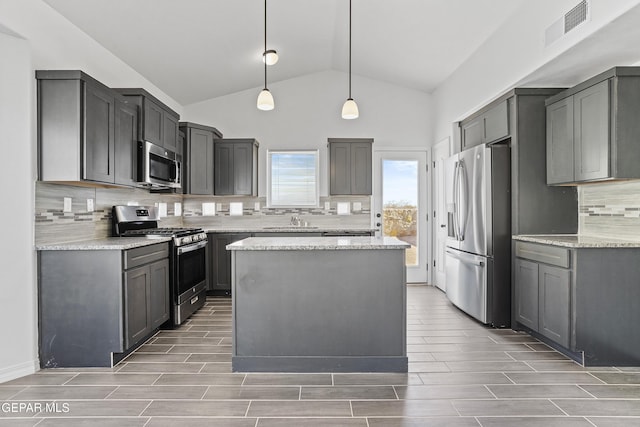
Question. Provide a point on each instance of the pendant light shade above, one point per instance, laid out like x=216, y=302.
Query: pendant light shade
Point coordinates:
x=350, y=108
x=270, y=57
x=265, y=99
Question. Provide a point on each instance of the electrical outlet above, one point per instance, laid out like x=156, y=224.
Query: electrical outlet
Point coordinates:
x=67, y=203
x=90, y=205
x=256, y=206
x=327, y=206
x=208, y=209
x=177, y=209
x=162, y=209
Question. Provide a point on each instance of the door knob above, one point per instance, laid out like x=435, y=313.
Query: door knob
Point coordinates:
x=378, y=215
x=378, y=224
x=443, y=225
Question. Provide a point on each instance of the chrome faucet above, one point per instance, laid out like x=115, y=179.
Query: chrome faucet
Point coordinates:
x=295, y=220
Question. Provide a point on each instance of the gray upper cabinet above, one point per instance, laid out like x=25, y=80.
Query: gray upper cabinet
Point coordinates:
x=85, y=130
x=560, y=142
x=126, y=137
x=236, y=167
x=350, y=166
x=485, y=127
x=592, y=129
x=158, y=122
x=198, y=167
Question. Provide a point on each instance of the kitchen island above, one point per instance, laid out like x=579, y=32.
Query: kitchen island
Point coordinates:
x=319, y=304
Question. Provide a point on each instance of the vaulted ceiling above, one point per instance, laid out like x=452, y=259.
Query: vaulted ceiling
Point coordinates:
x=199, y=49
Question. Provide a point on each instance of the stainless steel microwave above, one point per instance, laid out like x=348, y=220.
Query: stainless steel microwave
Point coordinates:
x=157, y=166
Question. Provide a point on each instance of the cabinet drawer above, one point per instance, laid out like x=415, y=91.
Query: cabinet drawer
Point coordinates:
x=145, y=255
x=544, y=253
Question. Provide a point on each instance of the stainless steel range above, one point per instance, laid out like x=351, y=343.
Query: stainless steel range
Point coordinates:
x=188, y=282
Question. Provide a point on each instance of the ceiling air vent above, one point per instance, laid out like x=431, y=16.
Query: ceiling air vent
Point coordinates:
x=576, y=16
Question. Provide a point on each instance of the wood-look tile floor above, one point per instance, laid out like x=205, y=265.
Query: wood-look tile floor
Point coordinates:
x=460, y=374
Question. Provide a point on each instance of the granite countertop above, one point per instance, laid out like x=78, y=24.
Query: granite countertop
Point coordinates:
x=107, y=243
x=288, y=229
x=577, y=241
x=316, y=243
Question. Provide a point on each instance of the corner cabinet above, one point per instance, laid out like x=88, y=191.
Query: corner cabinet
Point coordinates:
x=236, y=167
x=158, y=122
x=198, y=167
x=350, y=166
x=86, y=132
x=592, y=129
x=96, y=306
x=485, y=127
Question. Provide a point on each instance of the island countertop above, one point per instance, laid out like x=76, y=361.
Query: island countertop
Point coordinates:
x=316, y=243
x=577, y=241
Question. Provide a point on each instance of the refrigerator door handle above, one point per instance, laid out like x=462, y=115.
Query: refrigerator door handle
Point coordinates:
x=463, y=200
x=464, y=260
x=456, y=226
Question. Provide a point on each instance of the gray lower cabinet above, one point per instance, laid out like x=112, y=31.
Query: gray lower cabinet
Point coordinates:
x=485, y=127
x=198, y=158
x=583, y=299
x=543, y=282
x=220, y=261
x=592, y=129
x=236, y=167
x=95, y=306
x=350, y=165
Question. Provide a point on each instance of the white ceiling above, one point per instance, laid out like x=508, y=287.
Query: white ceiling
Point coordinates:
x=199, y=49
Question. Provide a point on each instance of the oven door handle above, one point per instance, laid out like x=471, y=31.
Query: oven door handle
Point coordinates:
x=190, y=248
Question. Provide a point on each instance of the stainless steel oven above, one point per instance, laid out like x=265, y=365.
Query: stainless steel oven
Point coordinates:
x=190, y=279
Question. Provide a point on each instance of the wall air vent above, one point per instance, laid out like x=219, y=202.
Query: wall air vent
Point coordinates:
x=576, y=16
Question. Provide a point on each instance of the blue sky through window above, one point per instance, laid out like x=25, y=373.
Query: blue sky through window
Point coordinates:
x=400, y=181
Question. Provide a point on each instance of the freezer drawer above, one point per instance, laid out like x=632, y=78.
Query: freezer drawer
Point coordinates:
x=467, y=282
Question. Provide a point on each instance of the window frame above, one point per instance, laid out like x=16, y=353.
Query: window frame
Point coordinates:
x=316, y=152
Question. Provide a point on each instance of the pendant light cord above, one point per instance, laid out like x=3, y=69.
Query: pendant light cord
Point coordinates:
x=349, y=49
x=265, y=44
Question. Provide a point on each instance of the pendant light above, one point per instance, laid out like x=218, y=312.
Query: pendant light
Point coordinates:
x=350, y=108
x=270, y=57
x=265, y=99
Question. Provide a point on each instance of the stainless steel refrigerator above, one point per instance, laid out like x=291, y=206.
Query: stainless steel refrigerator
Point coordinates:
x=478, y=253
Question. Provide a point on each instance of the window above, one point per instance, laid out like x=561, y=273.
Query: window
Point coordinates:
x=292, y=178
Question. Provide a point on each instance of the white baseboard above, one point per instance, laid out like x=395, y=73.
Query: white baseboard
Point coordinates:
x=20, y=370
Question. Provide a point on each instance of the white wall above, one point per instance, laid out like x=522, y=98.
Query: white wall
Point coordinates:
x=58, y=44
x=307, y=112
x=17, y=257
x=514, y=52
x=34, y=36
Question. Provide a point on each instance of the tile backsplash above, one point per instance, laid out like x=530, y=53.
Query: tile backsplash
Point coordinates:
x=53, y=225
x=610, y=209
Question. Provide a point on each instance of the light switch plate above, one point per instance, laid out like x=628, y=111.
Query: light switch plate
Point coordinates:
x=357, y=206
x=67, y=204
x=344, y=208
x=162, y=209
x=90, y=205
x=256, y=206
x=177, y=209
x=208, y=209
x=327, y=206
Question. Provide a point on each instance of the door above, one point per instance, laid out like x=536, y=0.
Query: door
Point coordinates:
x=223, y=168
x=126, y=137
x=137, y=322
x=200, y=162
x=440, y=152
x=554, y=288
x=160, y=304
x=527, y=293
x=400, y=205
x=243, y=169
